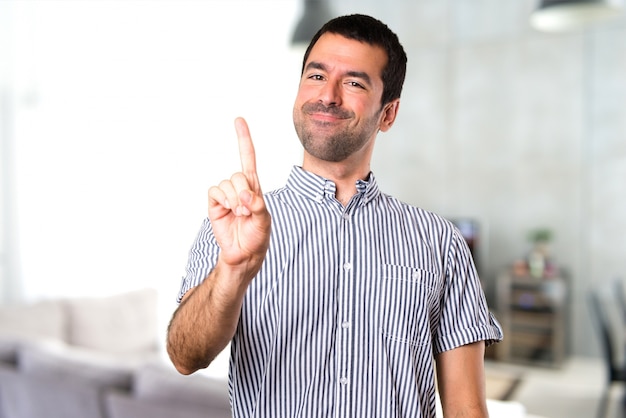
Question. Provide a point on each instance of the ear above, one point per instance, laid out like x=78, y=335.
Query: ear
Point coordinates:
x=389, y=114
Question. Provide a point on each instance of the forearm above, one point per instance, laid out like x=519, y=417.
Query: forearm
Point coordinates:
x=206, y=320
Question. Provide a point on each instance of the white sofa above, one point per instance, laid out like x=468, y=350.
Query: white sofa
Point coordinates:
x=96, y=358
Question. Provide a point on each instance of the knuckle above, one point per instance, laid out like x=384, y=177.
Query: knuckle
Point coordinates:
x=223, y=184
x=237, y=177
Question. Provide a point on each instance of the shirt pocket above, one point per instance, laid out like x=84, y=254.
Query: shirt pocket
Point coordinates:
x=407, y=296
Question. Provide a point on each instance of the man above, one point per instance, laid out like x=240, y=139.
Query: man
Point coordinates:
x=336, y=298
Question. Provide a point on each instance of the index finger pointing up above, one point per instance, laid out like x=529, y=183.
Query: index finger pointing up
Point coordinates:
x=246, y=152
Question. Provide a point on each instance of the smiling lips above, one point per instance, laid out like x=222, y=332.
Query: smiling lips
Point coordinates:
x=324, y=113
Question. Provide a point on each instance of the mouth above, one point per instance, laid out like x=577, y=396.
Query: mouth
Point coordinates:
x=317, y=112
x=324, y=118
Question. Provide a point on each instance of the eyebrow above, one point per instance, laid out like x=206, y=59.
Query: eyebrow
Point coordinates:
x=314, y=65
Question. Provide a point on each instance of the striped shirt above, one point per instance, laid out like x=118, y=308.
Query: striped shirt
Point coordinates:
x=350, y=305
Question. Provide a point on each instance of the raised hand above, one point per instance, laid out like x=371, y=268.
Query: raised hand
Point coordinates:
x=207, y=317
x=238, y=214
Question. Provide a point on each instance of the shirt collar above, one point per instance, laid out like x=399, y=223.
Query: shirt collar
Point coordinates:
x=318, y=188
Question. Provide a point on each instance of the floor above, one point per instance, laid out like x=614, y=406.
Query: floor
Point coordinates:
x=571, y=391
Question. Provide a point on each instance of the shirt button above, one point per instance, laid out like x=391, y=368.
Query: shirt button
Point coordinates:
x=346, y=216
x=344, y=380
x=347, y=266
x=345, y=324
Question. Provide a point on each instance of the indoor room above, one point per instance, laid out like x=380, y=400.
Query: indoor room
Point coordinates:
x=116, y=117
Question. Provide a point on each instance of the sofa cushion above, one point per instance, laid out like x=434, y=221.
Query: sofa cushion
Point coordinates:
x=39, y=320
x=158, y=382
x=121, y=405
x=123, y=323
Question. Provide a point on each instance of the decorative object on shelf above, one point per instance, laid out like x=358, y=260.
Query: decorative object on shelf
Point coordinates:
x=539, y=264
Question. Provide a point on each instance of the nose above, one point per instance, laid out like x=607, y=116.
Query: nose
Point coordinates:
x=330, y=94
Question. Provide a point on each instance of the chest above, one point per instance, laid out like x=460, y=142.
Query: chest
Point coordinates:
x=366, y=270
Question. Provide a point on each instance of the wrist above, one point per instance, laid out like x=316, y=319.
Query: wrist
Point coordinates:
x=233, y=279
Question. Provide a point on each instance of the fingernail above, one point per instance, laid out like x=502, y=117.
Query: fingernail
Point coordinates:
x=226, y=204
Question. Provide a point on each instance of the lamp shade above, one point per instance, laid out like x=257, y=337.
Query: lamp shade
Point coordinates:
x=316, y=14
x=567, y=15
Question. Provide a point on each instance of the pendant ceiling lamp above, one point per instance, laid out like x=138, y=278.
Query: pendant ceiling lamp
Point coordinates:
x=316, y=14
x=567, y=15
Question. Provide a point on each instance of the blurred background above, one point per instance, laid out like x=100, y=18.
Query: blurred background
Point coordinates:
x=116, y=117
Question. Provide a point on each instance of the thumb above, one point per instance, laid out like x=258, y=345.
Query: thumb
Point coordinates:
x=246, y=197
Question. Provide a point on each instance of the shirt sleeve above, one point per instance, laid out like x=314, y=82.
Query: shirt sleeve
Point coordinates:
x=465, y=317
x=202, y=259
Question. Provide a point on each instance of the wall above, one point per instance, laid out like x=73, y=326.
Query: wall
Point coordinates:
x=123, y=118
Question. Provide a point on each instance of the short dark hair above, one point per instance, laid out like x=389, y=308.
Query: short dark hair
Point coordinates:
x=372, y=31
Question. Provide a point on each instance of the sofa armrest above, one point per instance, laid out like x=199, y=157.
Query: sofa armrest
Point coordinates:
x=64, y=362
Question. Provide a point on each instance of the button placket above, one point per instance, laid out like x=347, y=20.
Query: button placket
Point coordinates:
x=344, y=345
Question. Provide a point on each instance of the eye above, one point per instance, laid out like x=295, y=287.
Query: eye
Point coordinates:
x=355, y=84
x=316, y=77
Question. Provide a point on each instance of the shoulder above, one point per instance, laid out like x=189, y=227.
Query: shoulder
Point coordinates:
x=426, y=218
x=279, y=197
x=425, y=225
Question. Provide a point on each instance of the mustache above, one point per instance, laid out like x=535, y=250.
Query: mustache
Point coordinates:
x=321, y=108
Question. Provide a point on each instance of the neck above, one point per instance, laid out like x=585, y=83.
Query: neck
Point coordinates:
x=343, y=175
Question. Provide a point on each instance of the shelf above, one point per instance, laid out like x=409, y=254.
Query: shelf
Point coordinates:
x=531, y=313
x=533, y=320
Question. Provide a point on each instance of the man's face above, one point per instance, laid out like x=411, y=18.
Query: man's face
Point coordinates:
x=338, y=106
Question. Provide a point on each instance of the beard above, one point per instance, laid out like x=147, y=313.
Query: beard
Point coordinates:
x=328, y=142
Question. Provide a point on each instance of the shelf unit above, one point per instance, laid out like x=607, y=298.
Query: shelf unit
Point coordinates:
x=532, y=313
